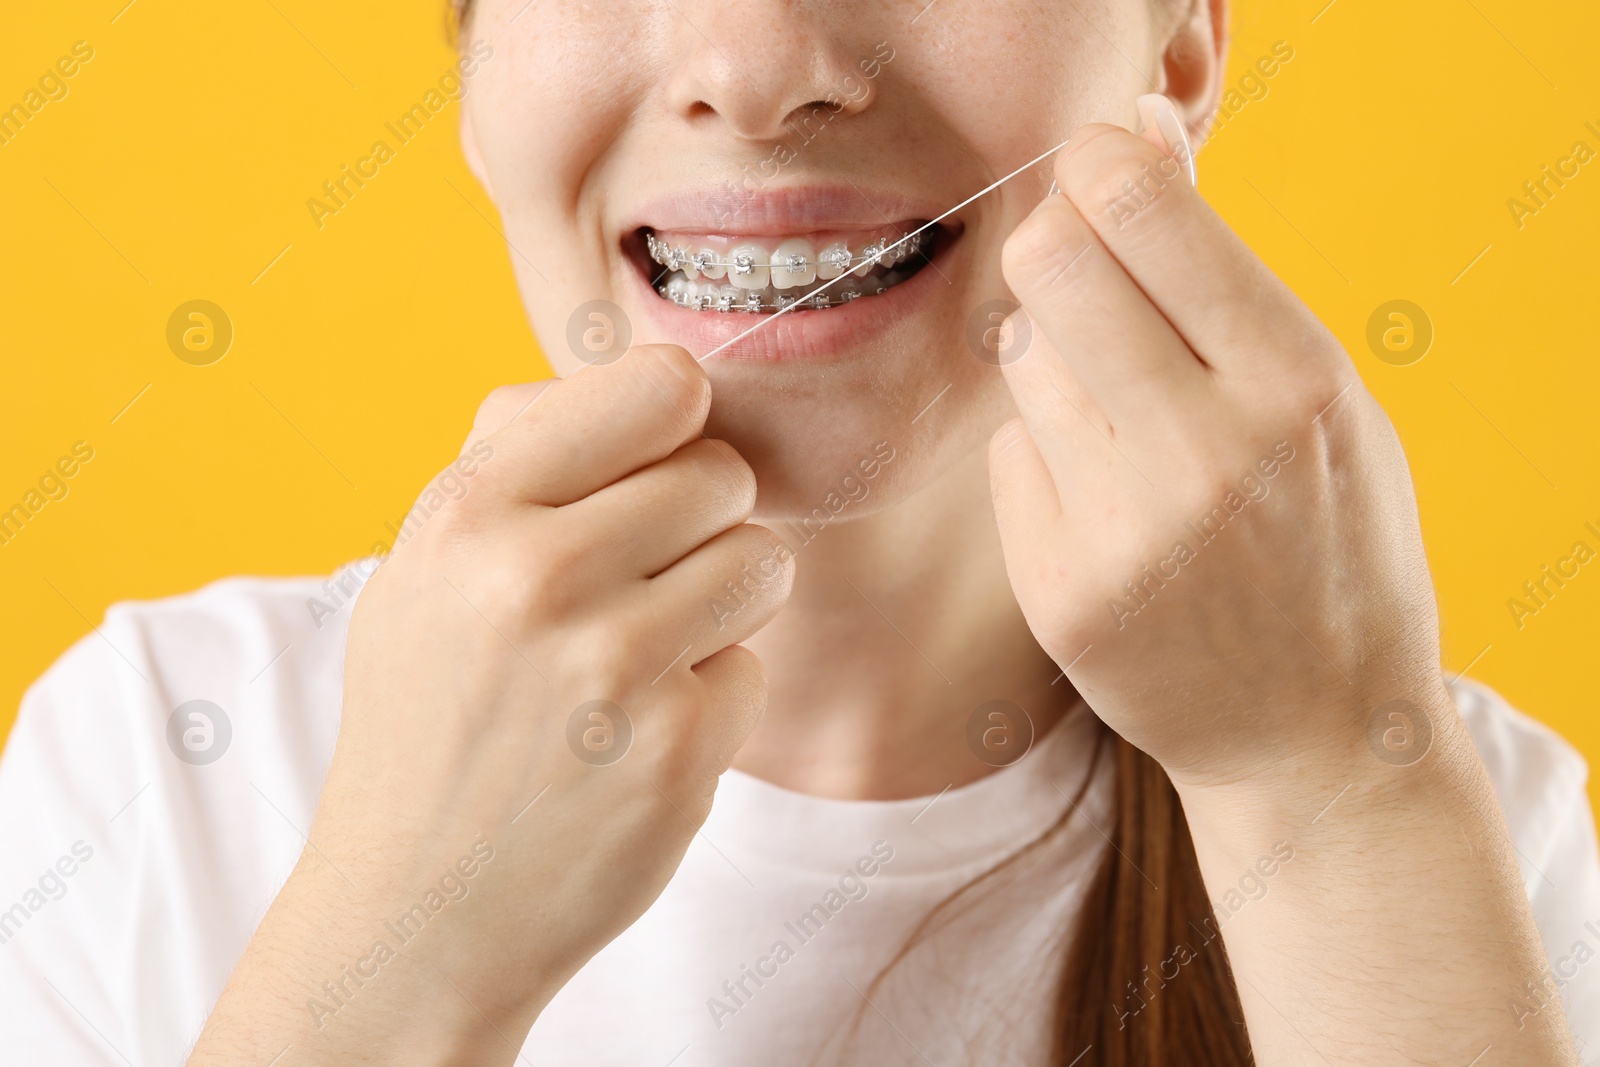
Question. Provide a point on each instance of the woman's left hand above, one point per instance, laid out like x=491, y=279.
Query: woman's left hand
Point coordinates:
x=1210, y=525
x=1207, y=519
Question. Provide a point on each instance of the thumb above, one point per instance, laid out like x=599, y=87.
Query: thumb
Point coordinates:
x=1163, y=126
x=502, y=406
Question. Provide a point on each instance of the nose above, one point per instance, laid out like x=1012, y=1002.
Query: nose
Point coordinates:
x=759, y=66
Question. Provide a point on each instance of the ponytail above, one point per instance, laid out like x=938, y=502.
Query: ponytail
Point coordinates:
x=1146, y=980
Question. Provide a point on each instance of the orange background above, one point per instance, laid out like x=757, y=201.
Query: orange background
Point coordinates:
x=1377, y=166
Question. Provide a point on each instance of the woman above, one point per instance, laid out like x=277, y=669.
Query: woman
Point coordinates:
x=1080, y=683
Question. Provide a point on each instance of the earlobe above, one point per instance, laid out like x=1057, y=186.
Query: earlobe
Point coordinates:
x=469, y=149
x=1193, y=64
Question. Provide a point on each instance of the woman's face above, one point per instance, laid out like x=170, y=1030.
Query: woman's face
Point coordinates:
x=734, y=129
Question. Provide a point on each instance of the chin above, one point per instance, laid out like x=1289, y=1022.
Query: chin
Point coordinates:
x=839, y=455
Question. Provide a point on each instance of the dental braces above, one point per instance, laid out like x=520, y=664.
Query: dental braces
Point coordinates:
x=991, y=187
x=841, y=259
x=752, y=301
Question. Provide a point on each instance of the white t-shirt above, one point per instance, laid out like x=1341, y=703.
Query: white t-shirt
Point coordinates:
x=132, y=878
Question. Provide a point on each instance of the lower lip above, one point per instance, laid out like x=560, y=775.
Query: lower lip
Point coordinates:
x=824, y=335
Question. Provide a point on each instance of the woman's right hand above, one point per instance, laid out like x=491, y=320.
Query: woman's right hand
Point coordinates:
x=589, y=559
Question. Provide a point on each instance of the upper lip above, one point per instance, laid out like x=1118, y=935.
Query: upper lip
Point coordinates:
x=780, y=211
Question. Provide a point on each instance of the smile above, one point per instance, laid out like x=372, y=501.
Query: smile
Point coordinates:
x=693, y=259
x=770, y=274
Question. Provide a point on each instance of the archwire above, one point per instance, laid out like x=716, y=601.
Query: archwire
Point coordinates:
x=827, y=285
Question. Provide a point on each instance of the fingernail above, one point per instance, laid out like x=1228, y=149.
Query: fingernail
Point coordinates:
x=1156, y=108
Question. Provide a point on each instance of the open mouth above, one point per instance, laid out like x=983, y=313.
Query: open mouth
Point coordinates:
x=724, y=273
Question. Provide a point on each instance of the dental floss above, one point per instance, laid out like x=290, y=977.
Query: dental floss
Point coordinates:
x=801, y=301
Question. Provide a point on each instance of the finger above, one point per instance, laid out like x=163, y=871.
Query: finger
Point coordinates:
x=720, y=594
x=729, y=691
x=661, y=513
x=601, y=424
x=735, y=683
x=1034, y=502
x=1027, y=503
x=501, y=406
x=1221, y=299
x=1061, y=415
x=1027, y=510
x=1109, y=334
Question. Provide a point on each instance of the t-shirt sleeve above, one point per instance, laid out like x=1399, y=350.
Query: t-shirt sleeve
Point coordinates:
x=1542, y=785
x=66, y=845
x=140, y=845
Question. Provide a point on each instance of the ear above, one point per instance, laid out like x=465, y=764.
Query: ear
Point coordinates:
x=1194, y=62
x=469, y=149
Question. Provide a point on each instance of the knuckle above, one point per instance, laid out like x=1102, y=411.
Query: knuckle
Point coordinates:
x=447, y=512
x=1065, y=632
x=1115, y=178
x=745, y=673
x=668, y=373
x=732, y=477
x=1308, y=394
x=1048, y=244
x=755, y=571
x=565, y=544
x=462, y=522
x=768, y=539
x=496, y=488
x=757, y=543
x=502, y=405
x=489, y=417
x=499, y=399
x=500, y=589
x=767, y=553
x=550, y=586
x=736, y=692
x=615, y=653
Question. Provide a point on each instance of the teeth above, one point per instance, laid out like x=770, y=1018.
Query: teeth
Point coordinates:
x=794, y=263
x=705, y=261
x=833, y=261
x=710, y=296
x=753, y=276
x=871, y=256
x=749, y=258
x=750, y=266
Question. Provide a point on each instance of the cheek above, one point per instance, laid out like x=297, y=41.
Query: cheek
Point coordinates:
x=547, y=111
x=1083, y=67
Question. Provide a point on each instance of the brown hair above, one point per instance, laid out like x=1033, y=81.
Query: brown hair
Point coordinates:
x=1147, y=978
x=1120, y=1004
